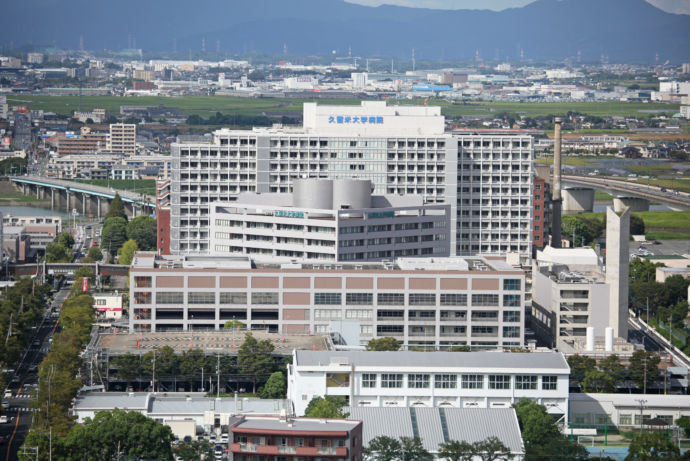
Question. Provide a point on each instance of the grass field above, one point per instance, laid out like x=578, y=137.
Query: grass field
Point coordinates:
x=205, y=105
x=660, y=225
x=574, y=160
x=651, y=170
x=601, y=195
x=142, y=186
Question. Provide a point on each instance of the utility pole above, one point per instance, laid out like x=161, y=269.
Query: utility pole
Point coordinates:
x=218, y=375
x=644, y=385
x=153, y=381
x=641, y=402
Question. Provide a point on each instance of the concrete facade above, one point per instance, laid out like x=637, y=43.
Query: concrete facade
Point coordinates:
x=486, y=179
x=319, y=223
x=420, y=379
x=618, y=269
x=422, y=302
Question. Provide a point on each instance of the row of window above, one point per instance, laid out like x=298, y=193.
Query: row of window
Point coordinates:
x=351, y=299
x=453, y=381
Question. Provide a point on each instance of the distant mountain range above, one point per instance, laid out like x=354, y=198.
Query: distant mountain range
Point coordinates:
x=624, y=30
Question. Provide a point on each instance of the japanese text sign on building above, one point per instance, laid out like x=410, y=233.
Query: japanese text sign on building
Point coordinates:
x=354, y=119
x=288, y=214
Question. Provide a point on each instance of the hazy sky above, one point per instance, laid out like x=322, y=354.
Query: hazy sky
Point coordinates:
x=672, y=6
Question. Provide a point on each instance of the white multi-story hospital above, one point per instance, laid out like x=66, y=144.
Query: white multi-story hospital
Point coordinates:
x=402, y=150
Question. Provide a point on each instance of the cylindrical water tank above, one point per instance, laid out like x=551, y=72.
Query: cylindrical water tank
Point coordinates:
x=589, y=342
x=313, y=193
x=352, y=193
x=608, y=339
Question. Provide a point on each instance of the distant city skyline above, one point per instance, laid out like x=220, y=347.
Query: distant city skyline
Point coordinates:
x=670, y=6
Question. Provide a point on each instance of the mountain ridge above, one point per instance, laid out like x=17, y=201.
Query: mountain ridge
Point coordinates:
x=625, y=30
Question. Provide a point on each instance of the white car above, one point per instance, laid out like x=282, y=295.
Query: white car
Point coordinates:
x=3, y=419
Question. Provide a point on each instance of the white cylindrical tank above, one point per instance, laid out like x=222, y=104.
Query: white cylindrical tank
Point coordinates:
x=608, y=339
x=313, y=193
x=589, y=342
x=352, y=193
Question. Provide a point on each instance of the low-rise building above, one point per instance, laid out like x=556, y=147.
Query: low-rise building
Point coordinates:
x=626, y=411
x=329, y=220
x=422, y=302
x=9, y=220
x=108, y=305
x=424, y=379
x=308, y=439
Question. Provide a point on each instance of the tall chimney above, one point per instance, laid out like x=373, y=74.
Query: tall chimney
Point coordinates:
x=556, y=198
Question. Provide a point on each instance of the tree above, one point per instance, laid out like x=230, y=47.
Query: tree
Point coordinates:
x=127, y=252
x=643, y=364
x=413, y=450
x=117, y=208
x=57, y=253
x=652, y=446
x=541, y=435
x=579, y=365
x=114, y=234
x=254, y=358
x=643, y=270
x=274, y=387
x=586, y=228
x=95, y=254
x=111, y=434
x=383, y=344
x=196, y=450
x=457, y=451
x=326, y=407
x=684, y=423
x=65, y=239
x=676, y=287
x=491, y=449
x=535, y=423
x=85, y=272
x=613, y=367
x=232, y=324
x=383, y=448
x=636, y=225
x=598, y=381
x=142, y=229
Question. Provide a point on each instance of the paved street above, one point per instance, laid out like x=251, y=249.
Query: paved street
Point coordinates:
x=24, y=383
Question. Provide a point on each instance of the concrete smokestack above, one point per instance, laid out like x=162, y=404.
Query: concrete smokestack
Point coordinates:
x=556, y=198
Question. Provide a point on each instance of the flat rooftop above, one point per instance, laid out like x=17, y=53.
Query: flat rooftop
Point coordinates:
x=296, y=424
x=421, y=360
x=210, y=342
x=147, y=260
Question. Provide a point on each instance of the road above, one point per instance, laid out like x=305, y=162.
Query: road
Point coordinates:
x=24, y=382
x=638, y=189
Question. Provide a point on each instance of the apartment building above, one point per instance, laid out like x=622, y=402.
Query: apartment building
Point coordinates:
x=402, y=150
x=421, y=379
x=329, y=220
x=308, y=439
x=123, y=138
x=86, y=143
x=540, y=204
x=74, y=166
x=422, y=302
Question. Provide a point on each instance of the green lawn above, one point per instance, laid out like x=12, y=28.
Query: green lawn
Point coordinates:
x=660, y=225
x=573, y=160
x=651, y=170
x=142, y=186
x=601, y=195
x=205, y=105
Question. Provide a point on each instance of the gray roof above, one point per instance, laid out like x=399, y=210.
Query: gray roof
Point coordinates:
x=418, y=360
x=298, y=424
x=463, y=424
x=175, y=403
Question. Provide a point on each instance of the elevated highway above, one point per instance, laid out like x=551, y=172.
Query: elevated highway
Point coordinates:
x=42, y=269
x=678, y=201
x=85, y=198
